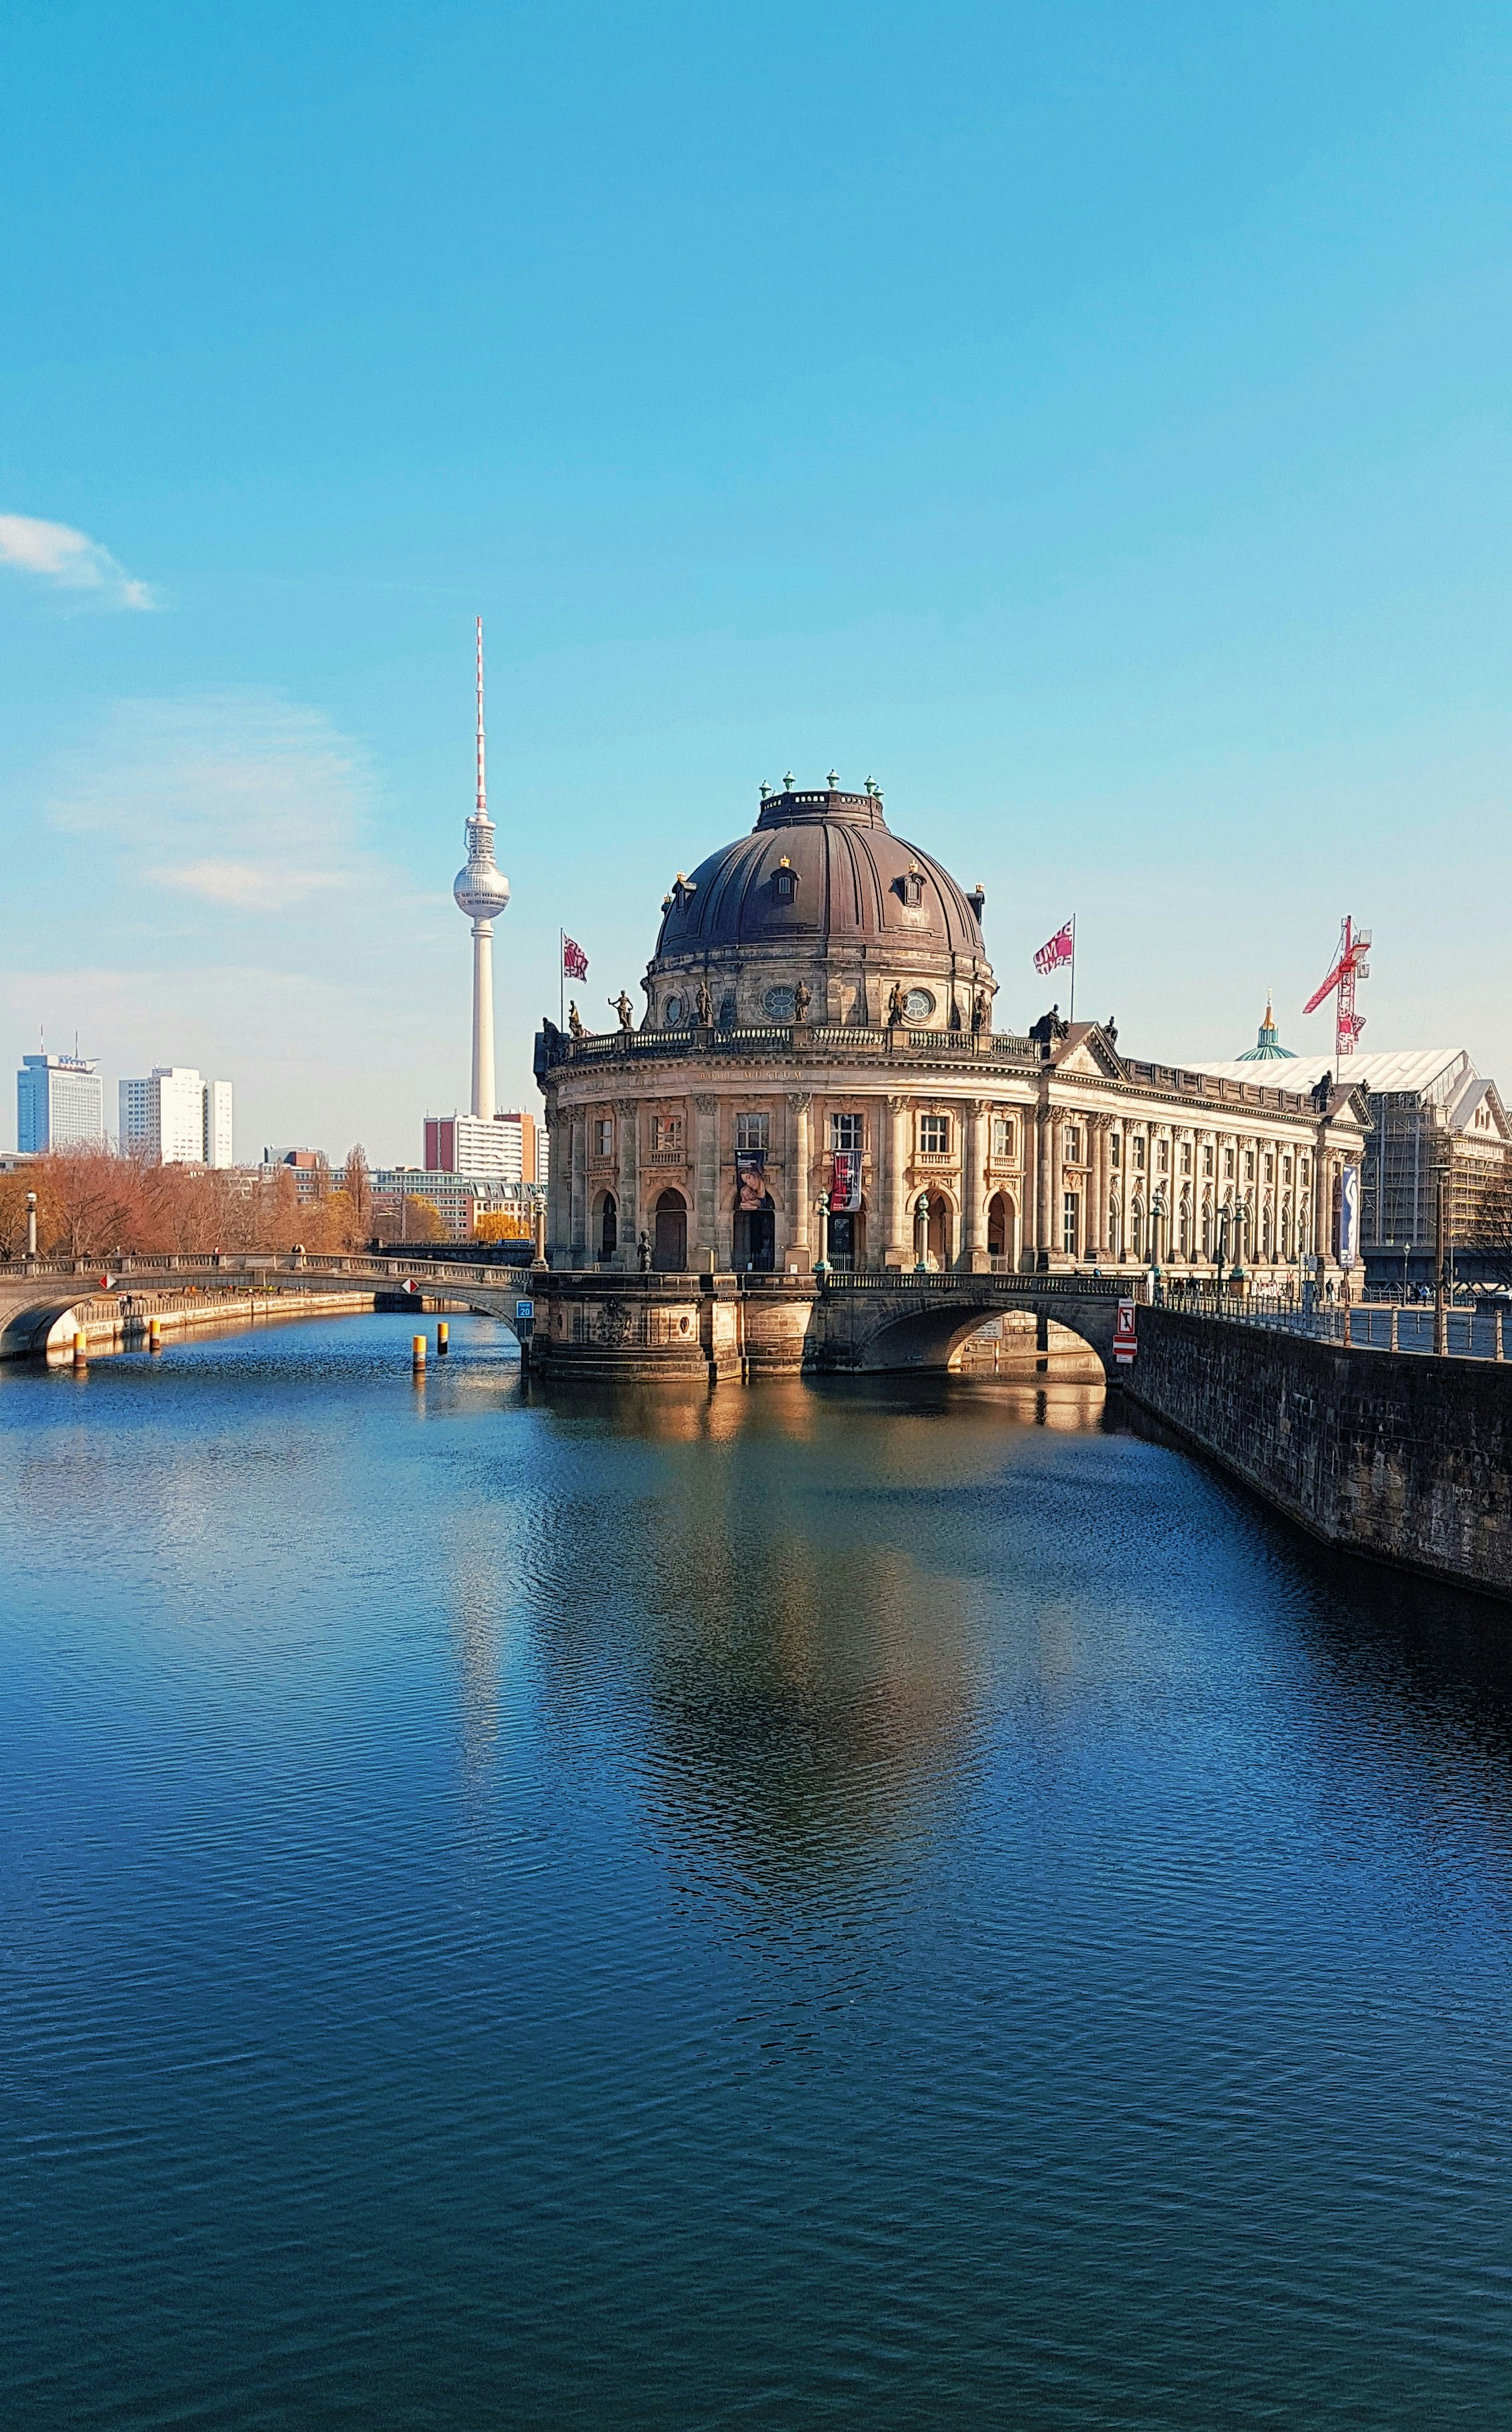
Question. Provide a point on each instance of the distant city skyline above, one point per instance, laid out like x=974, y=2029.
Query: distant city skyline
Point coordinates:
x=1087, y=425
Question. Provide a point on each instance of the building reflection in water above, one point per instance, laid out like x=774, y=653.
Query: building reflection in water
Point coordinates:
x=779, y=1597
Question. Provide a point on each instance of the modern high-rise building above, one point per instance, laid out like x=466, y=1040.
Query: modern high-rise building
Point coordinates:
x=175, y=1117
x=481, y=891
x=503, y=1150
x=59, y=1103
x=218, y=1124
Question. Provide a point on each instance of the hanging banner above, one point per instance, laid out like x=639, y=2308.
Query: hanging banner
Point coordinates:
x=845, y=1185
x=751, y=1179
x=1349, y=1216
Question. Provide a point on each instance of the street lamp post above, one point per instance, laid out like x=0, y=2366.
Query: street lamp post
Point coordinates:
x=821, y=1209
x=921, y=1234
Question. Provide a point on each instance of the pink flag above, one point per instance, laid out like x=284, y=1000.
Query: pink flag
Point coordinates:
x=1057, y=950
x=574, y=961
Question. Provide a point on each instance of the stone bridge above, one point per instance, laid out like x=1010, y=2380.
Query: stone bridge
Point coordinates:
x=590, y=1321
x=42, y=1297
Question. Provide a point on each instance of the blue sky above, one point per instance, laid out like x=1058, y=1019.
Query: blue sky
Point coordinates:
x=1092, y=421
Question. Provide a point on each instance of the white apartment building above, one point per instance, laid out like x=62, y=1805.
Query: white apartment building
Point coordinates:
x=175, y=1117
x=59, y=1103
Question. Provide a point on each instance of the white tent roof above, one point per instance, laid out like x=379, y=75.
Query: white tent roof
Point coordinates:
x=1393, y=1068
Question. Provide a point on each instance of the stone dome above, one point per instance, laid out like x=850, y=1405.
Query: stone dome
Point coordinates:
x=822, y=872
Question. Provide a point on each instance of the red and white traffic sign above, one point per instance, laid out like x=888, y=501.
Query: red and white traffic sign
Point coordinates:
x=1124, y=1345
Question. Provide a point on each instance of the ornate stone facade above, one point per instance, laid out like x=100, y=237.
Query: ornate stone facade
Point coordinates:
x=817, y=1079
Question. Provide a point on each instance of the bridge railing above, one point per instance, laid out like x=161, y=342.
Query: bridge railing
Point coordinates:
x=1474, y=1333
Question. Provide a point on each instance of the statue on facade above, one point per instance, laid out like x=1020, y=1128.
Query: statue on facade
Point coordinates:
x=802, y=999
x=895, y=1006
x=575, y=1022
x=703, y=1005
x=643, y=1253
x=624, y=1008
x=1050, y=1027
x=980, y=1011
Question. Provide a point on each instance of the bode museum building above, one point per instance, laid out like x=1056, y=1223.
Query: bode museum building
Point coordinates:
x=819, y=1080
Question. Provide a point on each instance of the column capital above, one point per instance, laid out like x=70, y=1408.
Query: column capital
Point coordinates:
x=707, y=1106
x=629, y=1107
x=800, y=1101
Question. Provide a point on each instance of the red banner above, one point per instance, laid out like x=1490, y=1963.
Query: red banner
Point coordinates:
x=844, y=1184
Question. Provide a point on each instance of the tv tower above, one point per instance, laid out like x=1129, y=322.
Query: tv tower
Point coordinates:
x=481, y=890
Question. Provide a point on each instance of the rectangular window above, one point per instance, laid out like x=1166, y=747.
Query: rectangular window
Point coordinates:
x=1271, y=1168
x=666, y=1134
x=1002, y=1135
x=1073, y=1144
x=1186, y=1157
x=1140, y=1154
x=1228, y=1165
x=1207, y=1159
x=750, y=1133
x=1163, y=1156
x=935, y=1134
x=1116, y=1149
x=1248, y=1165
x=605, y=1131
x=845, y=1132
x=1072, y=1224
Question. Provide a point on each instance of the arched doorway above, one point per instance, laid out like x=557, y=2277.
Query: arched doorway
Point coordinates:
x=1002, y=1218
x=669, y=1241
x=606, y=1225
x=939, y=1232
x=847, y=1241
x=755, y=1242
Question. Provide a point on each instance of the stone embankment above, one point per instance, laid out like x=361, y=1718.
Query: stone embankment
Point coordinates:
x=1404, y=1458
x=107, y=1327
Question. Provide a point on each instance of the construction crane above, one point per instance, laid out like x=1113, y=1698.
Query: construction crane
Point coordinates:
x=1349, y=966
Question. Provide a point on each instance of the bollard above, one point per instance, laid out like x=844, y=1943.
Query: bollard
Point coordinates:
x=442, y=1339
x=417, y=1355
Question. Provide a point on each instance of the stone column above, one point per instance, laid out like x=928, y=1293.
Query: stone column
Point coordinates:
x=578, y=1213
x=629, y=1110
x=799, y=1171
x=1044, y=1182
x=1094, y=1216
x=557, y=1179
x=973, y=1192
x=900, y=1243
x=705, y=1247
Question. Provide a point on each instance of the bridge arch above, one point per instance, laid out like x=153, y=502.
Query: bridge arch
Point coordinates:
x=920, y=1324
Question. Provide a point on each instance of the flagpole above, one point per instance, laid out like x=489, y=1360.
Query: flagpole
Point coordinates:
x=1073, y=967
x=561, y=979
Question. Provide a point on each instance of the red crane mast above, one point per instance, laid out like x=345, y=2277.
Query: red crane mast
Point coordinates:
x=1349, y=966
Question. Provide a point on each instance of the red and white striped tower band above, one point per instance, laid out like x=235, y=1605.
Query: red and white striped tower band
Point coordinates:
x=481, y=890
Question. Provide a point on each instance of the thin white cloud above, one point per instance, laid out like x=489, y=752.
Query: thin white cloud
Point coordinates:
x=70, y=559
x=239, y=799
x=250, y=886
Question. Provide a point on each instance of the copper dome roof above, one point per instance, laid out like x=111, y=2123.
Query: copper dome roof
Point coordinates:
x=820, y=869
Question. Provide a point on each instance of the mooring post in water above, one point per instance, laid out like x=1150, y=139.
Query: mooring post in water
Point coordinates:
x=442, y=1339
x=154, y=1334
x=81, y=1349
x=417, y=1355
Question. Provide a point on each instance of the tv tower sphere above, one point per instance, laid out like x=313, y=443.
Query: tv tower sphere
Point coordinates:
x=481, y=891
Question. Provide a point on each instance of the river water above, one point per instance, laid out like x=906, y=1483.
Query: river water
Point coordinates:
x=883, y=1906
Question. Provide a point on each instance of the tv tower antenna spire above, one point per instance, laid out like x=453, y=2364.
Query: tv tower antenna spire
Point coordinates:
x=482, y=789
x=1349, y=966
x=481, y=890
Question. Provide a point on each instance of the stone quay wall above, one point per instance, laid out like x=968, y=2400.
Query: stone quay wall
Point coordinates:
x=1405, y=1459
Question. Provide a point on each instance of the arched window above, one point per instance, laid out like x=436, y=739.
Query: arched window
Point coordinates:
x=607, y=1225
x=1001, y=1225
